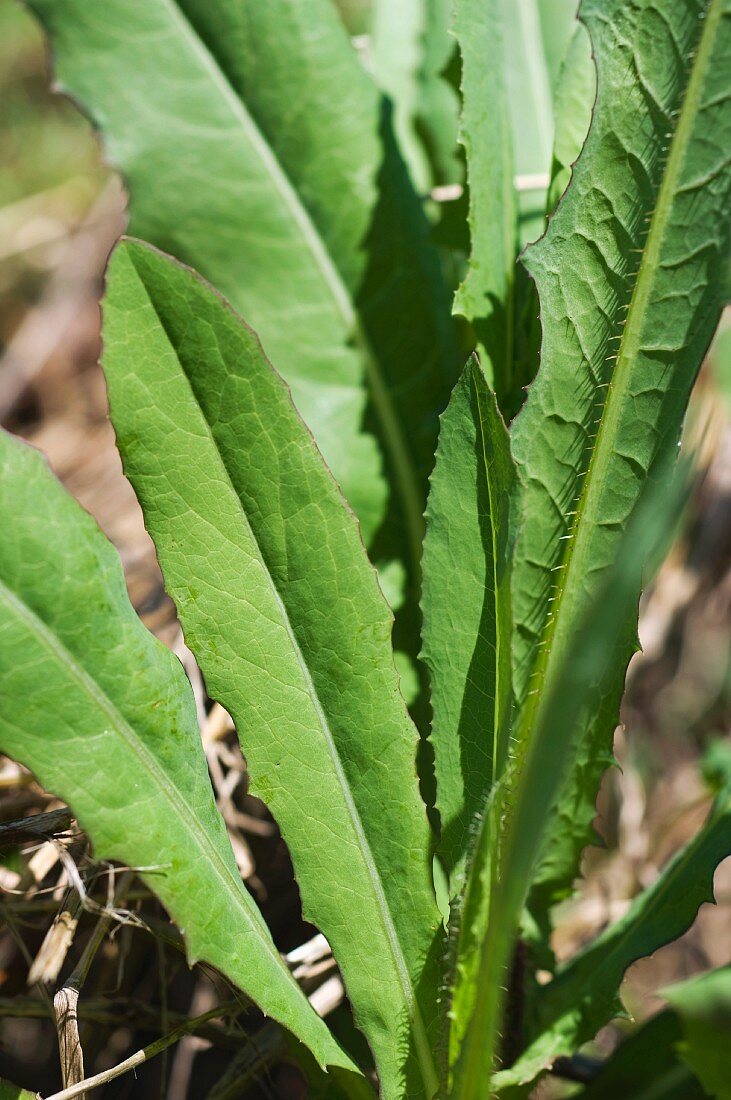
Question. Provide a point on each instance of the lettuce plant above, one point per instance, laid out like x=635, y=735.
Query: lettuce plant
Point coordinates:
x=278, y=464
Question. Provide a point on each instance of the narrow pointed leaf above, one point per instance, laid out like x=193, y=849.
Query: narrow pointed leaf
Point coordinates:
x=537, y=34
x=584, y=995
x=466, y=606
x=256, y=150
x=104, y=716
x=629, y=301
x=530, y=107
x=282, y=610
x=558, y=21
x=487, y=295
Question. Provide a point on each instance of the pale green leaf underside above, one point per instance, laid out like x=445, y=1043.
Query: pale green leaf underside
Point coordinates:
x=629, y=277
x=283, y=612
x=104, y=716
x=486, y=297
x=410, y=47
x=249, y=137
x=466, y=606
x=584, y=995
x=537, y=33
x=575, y=94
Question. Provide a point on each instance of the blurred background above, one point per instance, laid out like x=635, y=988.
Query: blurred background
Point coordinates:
x=61, y=209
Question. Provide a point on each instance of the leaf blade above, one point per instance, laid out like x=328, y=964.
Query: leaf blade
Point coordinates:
x=282, y=610
x=111, y=726
x=466, y=606
x=511, y=835
x=582, y=441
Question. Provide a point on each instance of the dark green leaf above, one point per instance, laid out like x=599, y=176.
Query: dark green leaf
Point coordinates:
x=466, y=606
x=630, y=277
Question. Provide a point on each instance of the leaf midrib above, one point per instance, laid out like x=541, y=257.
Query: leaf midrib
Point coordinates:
x=577, y=556
x=181, y=809
x=409, y=995
x=394, y=436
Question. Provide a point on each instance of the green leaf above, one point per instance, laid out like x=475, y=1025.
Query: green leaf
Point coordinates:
x=104, y=716
x=584, y=995
x=575, y=95
x=629, y=277
x=704, y=1007
x=282, y=610
x=511, y=831
x=487, y=295
x=466, y=606
x=529, y=105
x=558, y=22
x=536, y=37
x=646, y=1065
x=257, y=151
x=410, y=48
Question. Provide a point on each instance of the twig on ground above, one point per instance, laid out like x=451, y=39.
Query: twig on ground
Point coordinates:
x=65, y=1003
x=144, y=1055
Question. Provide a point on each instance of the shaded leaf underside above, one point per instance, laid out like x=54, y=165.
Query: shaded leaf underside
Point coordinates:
x=259, y=153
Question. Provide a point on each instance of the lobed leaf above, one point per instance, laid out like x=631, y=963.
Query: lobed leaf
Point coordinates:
x=466, y=607
x=282, y=610
x=630, y=280
x=104, y=716
x=512, y=828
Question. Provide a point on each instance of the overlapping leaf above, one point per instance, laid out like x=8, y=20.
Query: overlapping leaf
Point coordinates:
x=629, y=276
x=703, y=1005
x=466, y=606
x=509, y=53
x=487, y=295
x=256, y=149
x=104, y=716
x=283, y=612
x=409, y=49
x=536, y=35
x=512, y=828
